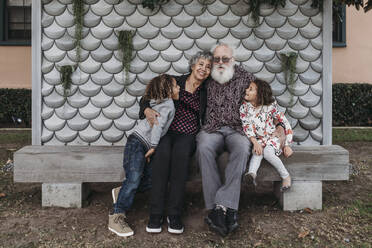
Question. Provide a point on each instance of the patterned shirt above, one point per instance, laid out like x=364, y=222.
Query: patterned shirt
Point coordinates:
x=258, y=122
x=186, y=118
x=224, y=100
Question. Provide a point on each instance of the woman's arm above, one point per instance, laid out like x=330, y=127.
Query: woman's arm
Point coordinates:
x=147, y=112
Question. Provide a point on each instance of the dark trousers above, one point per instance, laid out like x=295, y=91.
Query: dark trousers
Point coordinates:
x=170, y=165
x=137, y=174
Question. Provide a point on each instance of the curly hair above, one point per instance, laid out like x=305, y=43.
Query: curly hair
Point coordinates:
x=159, y=88
x=264, y=92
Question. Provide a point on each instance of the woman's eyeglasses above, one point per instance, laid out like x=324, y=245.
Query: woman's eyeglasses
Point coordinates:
x=224, y=59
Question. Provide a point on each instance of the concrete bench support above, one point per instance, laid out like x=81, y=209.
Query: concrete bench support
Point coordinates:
x=303, y=194
x=67, y=195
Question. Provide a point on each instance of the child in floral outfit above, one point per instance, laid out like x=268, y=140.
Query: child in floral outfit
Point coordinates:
x=258, y=113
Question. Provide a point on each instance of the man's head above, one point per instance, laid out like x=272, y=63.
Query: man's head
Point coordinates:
x=223, y=63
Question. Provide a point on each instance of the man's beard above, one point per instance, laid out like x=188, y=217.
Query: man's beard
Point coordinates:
x=223, y=76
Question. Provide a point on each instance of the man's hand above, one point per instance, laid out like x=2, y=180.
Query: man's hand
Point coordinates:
x=149, y=154
x=257, y=148
x=151, y=116
x=287, y=151
x=279, y=132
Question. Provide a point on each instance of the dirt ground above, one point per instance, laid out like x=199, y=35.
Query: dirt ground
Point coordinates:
x=345, y=221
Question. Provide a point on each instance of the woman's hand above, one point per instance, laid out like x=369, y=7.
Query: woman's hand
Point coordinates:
x=257, y=148
x=149, y=154
x=151, y=116
x=287, y=151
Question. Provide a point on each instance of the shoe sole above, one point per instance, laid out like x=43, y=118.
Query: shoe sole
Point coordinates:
x=121, y=234
x=153, y=230
x=174, y=231
x=214, y=227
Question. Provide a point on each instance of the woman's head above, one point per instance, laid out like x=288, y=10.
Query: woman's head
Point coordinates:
x=201, y=65
x=259, y=93
x=161, y=87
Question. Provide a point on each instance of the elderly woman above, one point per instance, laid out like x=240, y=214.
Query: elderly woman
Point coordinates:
x=170, y=162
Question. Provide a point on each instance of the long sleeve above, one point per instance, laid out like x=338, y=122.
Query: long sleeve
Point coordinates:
x=247, y=123
x=165, y=118
x=143, y=105
x=279, y=116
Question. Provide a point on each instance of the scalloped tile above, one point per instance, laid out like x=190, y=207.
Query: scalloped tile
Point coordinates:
x=288, y=10
x=183, y=2
x=136, y=88
x=299, y=134
x=298, y=20
x=286, y=99
x=266, y=9
x=275, y=65
x=277, y=87
x=171, y=54
x=78, y=100
x=46, y=135
x=54, y=8
x=101, y=31
x=83, y=55
x=101, y=54
x=78, y=123
x=136, y=20
x=281, y=79
x=91, y=19
x=65, y=19
x=46, y=88
x=53, y=142
x=206, y=42
x=90, y=111
x=46, y=112
x=89, y=88
x=148, y=54
x=66, y=135
x=301, y=65
x=240, y=8
x=264, y=54
x=113, y=89
x=121, y=79
x=310, y=54
x=54, y=123
x=298, y=42
x=101, y=8
x=113, y=20
x=125, y=8
x=317, y=134
x=101, y=100
x=77, y=142
x=317, y=65
x=90, y=66
x=90, y=43
x=229, y=20
x=133, y=111
x=317, y=43
x=125, y=100
x=317, y=20
x=113, y=65
x=292, y=122
x=307, y=10
x=231, y=40
x=253, y=65
x=310, y=76
x=265, y=75
x=240, y=31
x=287, y=31
x=137, y=66
x=101, y=123
x=317, y=88
x=46, y=20
x=218, y=31
x=171, y=8
x=146, y=11
x=310, y=99
x=242, y=54
x=195, y=31
x=53, y=77
x=264, y=31
x=160, y=20
x=148, y=31
x=54, y=31
x=112, y=134
x=78, y=77
x=195, y=8
x=46, y=42
x=217, y=8
x=171, y=31
x=69, y=92
x=71, y=32
x=310, y=31
x=65, y=43
x=298, y=111
x=125, y=123
x=275, y=43
x=298, y=88
x=182, y=20
x=229, y=2
x=89, y=134
x=113, y=111
x=146, y=76
x=252, y=43
x=206, y=20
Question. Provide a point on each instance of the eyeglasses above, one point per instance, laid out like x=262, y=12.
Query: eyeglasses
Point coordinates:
x=224, y=59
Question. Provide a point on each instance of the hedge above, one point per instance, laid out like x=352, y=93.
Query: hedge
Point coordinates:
x=15, y=103
x=352, y=105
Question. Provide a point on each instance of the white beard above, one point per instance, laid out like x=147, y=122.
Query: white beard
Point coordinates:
x=223, y=76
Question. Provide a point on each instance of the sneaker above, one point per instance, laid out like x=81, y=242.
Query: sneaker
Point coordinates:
x=155, y=222
x=175, y=224
x=216, y=220
x=115, y=194
x=231, y=220
x=119, y=226
x=251, y=178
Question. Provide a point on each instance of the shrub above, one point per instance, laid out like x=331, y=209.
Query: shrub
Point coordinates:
x=15, y=103
x=352, y=104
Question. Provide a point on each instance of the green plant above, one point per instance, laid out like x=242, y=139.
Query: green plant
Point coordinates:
x=255, y=7
x=66, y=81
x=78, y=7
x=15, y=103
x=126, y=47
x=289, y=61
x=151, y=4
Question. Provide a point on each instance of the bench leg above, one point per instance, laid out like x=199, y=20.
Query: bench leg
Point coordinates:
x=302, y=194
x=66, y=195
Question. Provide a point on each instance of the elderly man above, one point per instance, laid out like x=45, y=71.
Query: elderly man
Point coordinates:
x=223, y=130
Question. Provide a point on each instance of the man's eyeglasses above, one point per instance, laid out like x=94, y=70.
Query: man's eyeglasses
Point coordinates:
x=224, y=59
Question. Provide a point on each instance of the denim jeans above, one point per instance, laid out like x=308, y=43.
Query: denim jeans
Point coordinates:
x=137, y=173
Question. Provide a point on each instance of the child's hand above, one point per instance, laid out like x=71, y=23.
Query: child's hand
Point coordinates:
x=257, y=148
x=149, y=154
x=287, y=151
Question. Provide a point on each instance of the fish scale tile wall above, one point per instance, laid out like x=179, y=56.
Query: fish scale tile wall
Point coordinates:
x=102, y=108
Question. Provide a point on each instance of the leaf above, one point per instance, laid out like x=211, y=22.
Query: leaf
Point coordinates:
x=308, y=210
x=303, y=234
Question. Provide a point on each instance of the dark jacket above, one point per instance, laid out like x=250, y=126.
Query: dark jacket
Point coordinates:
x=181, y=81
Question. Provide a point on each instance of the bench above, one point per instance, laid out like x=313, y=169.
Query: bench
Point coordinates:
x=64, y=170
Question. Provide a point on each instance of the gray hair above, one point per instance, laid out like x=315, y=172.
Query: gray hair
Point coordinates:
x=200, y=55
x=225, y=45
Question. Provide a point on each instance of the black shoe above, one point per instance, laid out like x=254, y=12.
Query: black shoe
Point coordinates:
x=231, y=220
x=155, y=222
x=175, y=224
x=216, y=220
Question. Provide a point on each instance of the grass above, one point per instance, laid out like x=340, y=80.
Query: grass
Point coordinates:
x=15, y=137
x=351, y=135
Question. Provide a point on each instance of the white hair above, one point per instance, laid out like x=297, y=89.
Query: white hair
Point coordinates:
x=232, y=49
x=224, y=76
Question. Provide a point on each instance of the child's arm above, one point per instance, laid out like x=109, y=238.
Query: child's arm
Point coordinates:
x=248, y=128
x=166, y=117
x=280, y=117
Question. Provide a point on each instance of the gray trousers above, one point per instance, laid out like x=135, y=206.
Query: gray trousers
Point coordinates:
x=209, y=146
